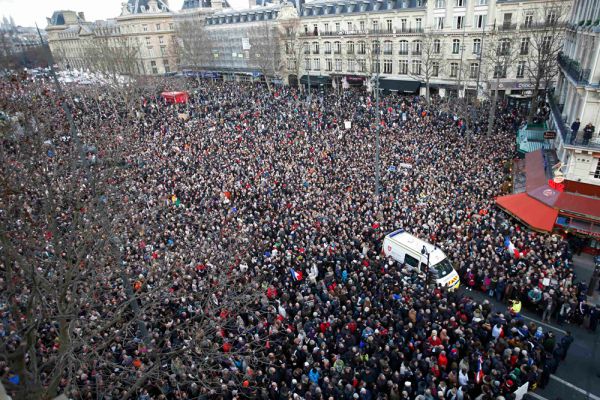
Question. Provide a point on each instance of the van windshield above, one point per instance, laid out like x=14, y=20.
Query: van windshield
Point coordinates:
x=443, y=268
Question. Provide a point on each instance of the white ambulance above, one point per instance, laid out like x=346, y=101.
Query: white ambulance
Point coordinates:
x=406, y=248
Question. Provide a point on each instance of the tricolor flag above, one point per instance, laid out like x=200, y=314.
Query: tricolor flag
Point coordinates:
x=511, y=247
x=479, y=371
x=296, y=275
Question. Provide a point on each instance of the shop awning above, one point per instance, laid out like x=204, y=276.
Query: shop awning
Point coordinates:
x=315, y=80
x=530, y=211
x=400, y=86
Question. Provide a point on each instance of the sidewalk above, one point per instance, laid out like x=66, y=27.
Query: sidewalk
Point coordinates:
x=583, y=266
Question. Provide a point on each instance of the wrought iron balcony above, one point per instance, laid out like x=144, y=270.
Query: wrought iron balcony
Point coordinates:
x=409, y=30
x=507, y=27
x=574, y=70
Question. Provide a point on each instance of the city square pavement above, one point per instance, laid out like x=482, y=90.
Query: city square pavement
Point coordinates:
x=578, y=377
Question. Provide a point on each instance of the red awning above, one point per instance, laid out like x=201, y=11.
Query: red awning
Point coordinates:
x=532, y=212
x=582, y=205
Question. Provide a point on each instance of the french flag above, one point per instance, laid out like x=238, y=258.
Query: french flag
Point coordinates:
x=511, y=247
x=296, y=275
x=479, y=371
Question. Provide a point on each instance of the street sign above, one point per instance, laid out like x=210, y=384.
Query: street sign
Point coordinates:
x=550, y=135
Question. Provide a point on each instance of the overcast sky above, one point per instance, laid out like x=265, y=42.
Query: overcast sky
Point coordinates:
x=28, y=12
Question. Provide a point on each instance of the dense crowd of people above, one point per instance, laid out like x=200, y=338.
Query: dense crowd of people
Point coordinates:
x=277, y=191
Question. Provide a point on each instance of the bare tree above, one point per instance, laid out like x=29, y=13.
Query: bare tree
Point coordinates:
x=545, y=41
x=114, y=57
x=293, y=49
x=500, y=53
x=70, y=218
x=432, y=59
x=192, y=43
x=265, y=50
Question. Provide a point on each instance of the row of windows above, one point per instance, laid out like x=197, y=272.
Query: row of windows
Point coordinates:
x=375, y=25
x=360, y=65
x=404, y=46
x=148, y=27
x=458, y=3
x=439, y=22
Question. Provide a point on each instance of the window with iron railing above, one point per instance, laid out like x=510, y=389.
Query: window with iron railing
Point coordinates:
x=362, y=48
x=387, y=47
x=476, y=46
x=473, y=70
x=387, y=66
x=403, y=49
x=520, y=69
x=455, y=46
x=453, y=70
x=350, y=48
x=524, y=50
x=416, y=67
x=403, y=67
x=416, y=47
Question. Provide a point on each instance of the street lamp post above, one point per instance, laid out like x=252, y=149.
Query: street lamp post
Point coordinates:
x=378, y=128
x=425, y=252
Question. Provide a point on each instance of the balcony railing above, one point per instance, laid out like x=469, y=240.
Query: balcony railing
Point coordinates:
x=337, y=52
x=507, y=27
x=327, y=52
x=409, y=30
x=558, y=120
x=403, y=52
x=380, y=32
x=387, y=52
x=543, y=25
x=416, y=52
x=574, y=70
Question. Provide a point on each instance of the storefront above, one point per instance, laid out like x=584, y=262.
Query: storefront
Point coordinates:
x=399, y=86
x=545, y=206
x=315, y=80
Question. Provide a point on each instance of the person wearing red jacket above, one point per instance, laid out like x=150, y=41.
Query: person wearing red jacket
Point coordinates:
x=443, y=361
x=434, y=340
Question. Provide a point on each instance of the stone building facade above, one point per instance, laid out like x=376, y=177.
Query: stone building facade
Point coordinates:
x=577, y=95
x=406, y=43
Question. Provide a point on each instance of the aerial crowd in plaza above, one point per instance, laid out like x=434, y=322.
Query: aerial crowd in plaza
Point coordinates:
x=271, y=197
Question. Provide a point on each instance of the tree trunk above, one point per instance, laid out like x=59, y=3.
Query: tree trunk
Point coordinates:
x=427, y=95
x=534, y=101
x=492, y=115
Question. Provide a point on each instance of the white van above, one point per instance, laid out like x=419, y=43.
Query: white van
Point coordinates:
x=406, y=248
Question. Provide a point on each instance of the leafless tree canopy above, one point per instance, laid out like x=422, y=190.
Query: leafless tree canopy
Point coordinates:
x=89, y=295
x=546, y=40
x=265, y=50
x=500, y=52
x=192, y=43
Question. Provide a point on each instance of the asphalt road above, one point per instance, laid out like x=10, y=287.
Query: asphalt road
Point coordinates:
x=579, y=373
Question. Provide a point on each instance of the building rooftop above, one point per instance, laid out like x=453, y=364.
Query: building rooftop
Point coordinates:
x=336, y=7
x=193, y=4
x=141, y=6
